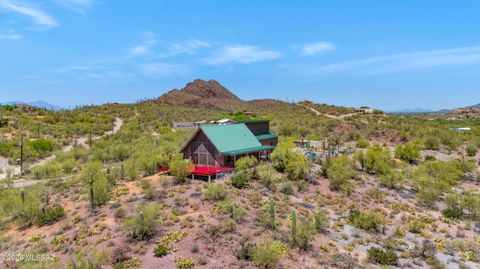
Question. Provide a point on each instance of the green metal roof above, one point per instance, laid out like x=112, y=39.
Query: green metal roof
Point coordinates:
x=231, y=138
x=266, y=136
x=242, y=151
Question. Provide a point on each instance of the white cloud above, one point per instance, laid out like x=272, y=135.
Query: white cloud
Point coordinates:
x=146, y=47
x=243, y=54
x=189, y=47
x=408, y=61
x=163, y=69
x=79, y=6
x=40, y=17
x=11, y=37
x=317, y=48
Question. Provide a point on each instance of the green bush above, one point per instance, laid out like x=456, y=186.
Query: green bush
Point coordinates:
x=321, y=220
x=268, y=176
x=303, y=232
x=287, y=187
x=97, y=185
x=383, y=257
x=367, y=220
x=160, y=250
x=339, y=171
x=432, y=143
x=49, y=170
x=391, y=180
x=181, y=169
x=231, y=208
x=362, y=144
x=454, y=208
x=376, y=159
x=245, y=163
x=50, y=215
x=214, y=191
x=408, y=152
x=240, y=179
x=471, y=150
x=142, y=225
x=267, y=253
x=266, y=215
x=286, y=159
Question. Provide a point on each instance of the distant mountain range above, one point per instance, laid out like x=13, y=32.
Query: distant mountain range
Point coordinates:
x=411, y=111
x=38, y=103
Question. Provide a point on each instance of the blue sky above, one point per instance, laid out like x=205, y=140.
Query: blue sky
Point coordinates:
x=388, y=54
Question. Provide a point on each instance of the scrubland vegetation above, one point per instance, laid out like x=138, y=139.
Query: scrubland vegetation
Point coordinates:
x=408, y=197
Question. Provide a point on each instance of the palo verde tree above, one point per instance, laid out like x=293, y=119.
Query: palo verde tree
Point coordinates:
x=97, y=184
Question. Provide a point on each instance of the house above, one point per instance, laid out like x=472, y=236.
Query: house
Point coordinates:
x=224, y=121
x=462, y=129
x=220, y=146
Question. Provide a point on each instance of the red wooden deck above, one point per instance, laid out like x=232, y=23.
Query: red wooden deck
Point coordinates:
x=204, y=170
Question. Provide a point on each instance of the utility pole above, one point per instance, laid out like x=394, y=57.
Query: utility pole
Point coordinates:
x=38, y=130
x=21, y=154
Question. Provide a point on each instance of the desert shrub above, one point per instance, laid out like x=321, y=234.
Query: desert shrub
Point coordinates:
x=437, y=174
x=344, y=261
x=416, y=225
x=471, y=150
x=42, y=146
x=432, y=143
x=119, y=213
x=266, y=215
x=362, y=144
x=321, y=220
x=268, y=176
x=246, y=251
x=426, y=250
x=88, y=258
x=286, y=158
x=120, y=254
x=149, y=192
x=50, y=215
x=450, y=141
x=454, y=207
x=142, y=225
x=48, y=170
x=339, y=171
x=245, y=163
x=184, y=263
x=428, y=196
x=97, y=185
x=267, y=253
x=181, y=169
x=366, y=220
x=383, y=257
x=240, y=179
x=161, y=250
x=407, y=152
x=471, y=204
x=287, y=187
x=231, y=208
x=131, y=169
x=302, y=232
x=214, y=191
x=375, y=160
x=391, y=180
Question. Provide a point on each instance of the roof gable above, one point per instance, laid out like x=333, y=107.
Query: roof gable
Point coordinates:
x=232, y=137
